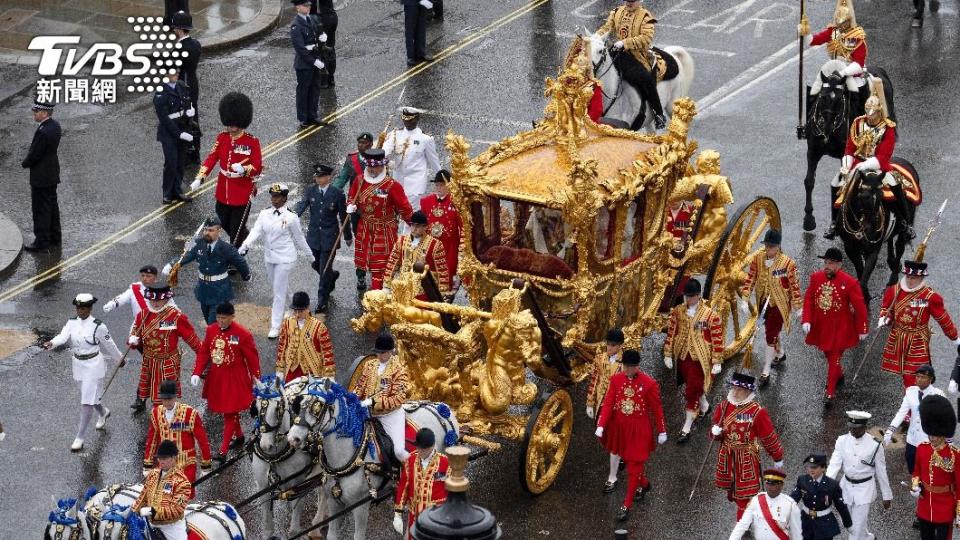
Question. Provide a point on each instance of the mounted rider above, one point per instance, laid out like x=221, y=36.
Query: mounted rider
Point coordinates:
x=845, y=41
x=634, y=27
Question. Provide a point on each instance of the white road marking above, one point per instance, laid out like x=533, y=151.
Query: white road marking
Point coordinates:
x=696, y=50
x=748, y=78
x=478, y=119
x=578, y=12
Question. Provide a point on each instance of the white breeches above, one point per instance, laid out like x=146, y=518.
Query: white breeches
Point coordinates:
x=174, y=531
x=860, y=515
x=394, y=423
x=279, y=276
x=89, y=390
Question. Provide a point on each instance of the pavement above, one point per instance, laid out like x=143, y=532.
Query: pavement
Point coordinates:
x=11, y=244
x=486, y=84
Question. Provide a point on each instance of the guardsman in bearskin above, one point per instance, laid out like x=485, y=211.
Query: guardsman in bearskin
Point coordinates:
x=328, y=213
x=743, y=426
x=420, y=247
x=172, y=105
x=88, y=338
x=382, y=387
x=695, y=340
x=180, y=423
x=605, y=364
x=230, y=353
x=772, y=514
x=834, y=315
x=134, y=294
x=846, y=41
x=166, y=492
x=630, y=416
x=422, y=482
x=862, y=460
x=924, y=377
x=908, y=307
x=772, y=276
x=816, y=493
x=158, y=331
x=443, y=220
x=304, y=347
x=237, y=152
x=380, y=201
x=354, y=164
x=936, y=476
x=413, y=153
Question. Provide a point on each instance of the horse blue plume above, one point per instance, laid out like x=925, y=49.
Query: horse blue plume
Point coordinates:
x=450, y=438
x=443, y=410
x=115, y=513
x=351, y=416
x=91, y=491
x=230, y=512
x=267, y=390
x=66, y=503
x=136, y=527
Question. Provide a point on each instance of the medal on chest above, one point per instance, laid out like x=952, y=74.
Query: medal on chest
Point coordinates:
x=627, y=404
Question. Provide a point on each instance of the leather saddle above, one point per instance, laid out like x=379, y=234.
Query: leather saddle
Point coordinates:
x=385, y=453
x=664, y=63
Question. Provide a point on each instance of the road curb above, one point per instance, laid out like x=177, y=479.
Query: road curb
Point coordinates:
x=11, y=243
x=264, y=22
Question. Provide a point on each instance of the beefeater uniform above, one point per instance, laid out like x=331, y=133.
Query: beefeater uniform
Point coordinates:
x=777, y=280
x=837, y=316
x=421, y=486
x=379, y=204
x=159, y=333
x=746, y=427
x=388, y=387
x=631, y=417
x=305, y=350
x=234, y=190
x=183, y=426
x=444, y=224
x=168, y=494
x=427, y=250
x=909, y=312
x=695, y=341
x=938, y=475
x=602, y=369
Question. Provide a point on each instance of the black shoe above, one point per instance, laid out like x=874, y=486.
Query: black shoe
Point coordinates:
x=304, y=125
x=828, y=401
x=779, y=361
x=36, y=246
x=411, y=62
x=622, y=513
x=318, y=122
x=231, y=271
x=238, y=442
x=181, y=198
x=138, y=405
x=608, y=487
x=659, y=121
x=426, y=58
x=764, y=380
x=840, y=381
x=361, y=280
x=916, y=524
x=167, y=201
x=642, y=492
x=321, y=306
x=621, y=466
x=684, y=437
x=831, y=232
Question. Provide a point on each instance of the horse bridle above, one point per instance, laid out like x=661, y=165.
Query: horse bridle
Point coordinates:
x=861, y=233
x=263, y=404
x=619, y=91
x=838, y=120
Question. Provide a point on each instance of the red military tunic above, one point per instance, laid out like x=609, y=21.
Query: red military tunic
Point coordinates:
x=866, y=141
x=849, y=45
x=444, y=224
x=835, y=310
x=429, y=251
x=234, y=188
x=421, y=487
x=908, y=346
x=305, y=351
x=185, y=429
x=632, y=416
x=738, y=462
x=379, y=205
x=159, y=333
x=232, y=357
x=938, y=474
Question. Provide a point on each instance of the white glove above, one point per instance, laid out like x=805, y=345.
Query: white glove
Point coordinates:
x=146, y=511
x=191, y=112
x=323, y=37
x=194, y=380
x=887, y=437
x=3, y=436
x=852, y=69
x=618, y=45
x=133, y=341
x=915, y=492
x=957, y=341
x=869, y=164
x=661, y=438
x=599, y=432
x=952, y=387
x=427, y=4
x=778, y=464
x=166, y=269
x=806, y=328
x=195, y=185
x=715, y=370
x=237, y=168
x=882, y=321
x=398, y=522
x=667, y=361
x=108, y=307
x=243, y=250
x=744, y=306
x=146, y=472
x=186, y=137
x=318, y=64
x=716, y=430
x=311, y=47
x=367, y=402
x=312, y=259
x=590, y=413
x=863, y=337
x=351, y=208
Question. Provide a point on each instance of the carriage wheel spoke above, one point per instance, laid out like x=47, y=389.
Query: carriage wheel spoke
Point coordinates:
x=755, y=235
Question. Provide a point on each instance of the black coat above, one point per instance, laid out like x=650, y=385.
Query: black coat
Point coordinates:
x=171, y=101
x=192, y=47
x=820, y=496
x=326, y=215
x=42, y=158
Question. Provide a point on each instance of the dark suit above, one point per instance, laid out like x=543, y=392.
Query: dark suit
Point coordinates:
x=327, y=212
x=329, y=21
x=215, y=263
x=44, y=168
x=818, y=497
x=304, y=32
x=171, y=105
x=415, y=29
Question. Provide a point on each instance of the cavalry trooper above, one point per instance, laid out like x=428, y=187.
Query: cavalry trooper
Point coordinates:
x=354, y=164
x=924, y=377
x=282, y=237
x=936, y=477
x=633, y=27
x=180, y=423
x=189, y=46
x=238, y=154
x=422, y=482
x=382, y=387
x=133, y=295
x=742, y=425
x=771, y=514
x=907, y=307
x=172, y=103
x=772, y=276
x=413, y=153
x=304, y=347
x=88, y=338
x=419, y=247
x=443, y=220
x=631, y=413
x=158, y=330
x=817, y=493
x=605, y=364
x=834, y=315
x=695, y=340
x=380, y=201
x=846, y=41
x=307, y=36
x=166, y=492
x=862, y=459
x=214, y=257
x=328, y=214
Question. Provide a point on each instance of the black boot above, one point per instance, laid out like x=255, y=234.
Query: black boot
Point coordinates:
x=834, y=213
x=901, y=209
x=659, y=121
x=361, y=280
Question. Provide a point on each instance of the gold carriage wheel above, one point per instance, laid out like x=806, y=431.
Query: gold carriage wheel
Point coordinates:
x=729, y=269
x=355, y=370
x=545, y=442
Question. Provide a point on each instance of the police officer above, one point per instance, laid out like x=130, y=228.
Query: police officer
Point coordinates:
x=415, y=30
x=172, y=105
x=44, y=168
x=189, y=46
x=816, y=492
x=328, y=211
x=307, y=35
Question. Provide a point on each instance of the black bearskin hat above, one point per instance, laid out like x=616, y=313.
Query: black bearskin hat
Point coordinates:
x=236, y=109
x=937, y=417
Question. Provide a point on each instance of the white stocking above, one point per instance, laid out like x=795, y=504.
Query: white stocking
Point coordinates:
x=768, y=357
x=614, y=467
x=688, y=423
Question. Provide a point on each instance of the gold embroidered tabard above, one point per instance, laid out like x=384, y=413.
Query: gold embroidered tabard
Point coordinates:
x=218, y=354
x=843, y=43
x=825, y=297
x=413, y=254
x=423, y=483
x=691, y=338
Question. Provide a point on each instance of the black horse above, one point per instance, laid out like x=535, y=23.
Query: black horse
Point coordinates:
x=866, y=223
x=829, y=115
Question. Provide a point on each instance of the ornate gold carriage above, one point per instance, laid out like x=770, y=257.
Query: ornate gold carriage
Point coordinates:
x=570, y=229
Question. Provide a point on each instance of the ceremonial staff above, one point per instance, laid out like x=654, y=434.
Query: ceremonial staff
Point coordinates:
x=804, y=29
x=175, y=269
x=120, y=364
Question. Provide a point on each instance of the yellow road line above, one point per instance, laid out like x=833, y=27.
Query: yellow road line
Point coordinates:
x=269, y=150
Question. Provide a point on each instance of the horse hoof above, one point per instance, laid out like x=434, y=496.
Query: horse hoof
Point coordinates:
x=809, y=223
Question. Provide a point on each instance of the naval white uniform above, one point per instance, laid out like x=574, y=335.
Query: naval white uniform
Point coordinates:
x=88, y=339
x=783, y=510
x=864, y=466
x=413, y=155
x=911, y=405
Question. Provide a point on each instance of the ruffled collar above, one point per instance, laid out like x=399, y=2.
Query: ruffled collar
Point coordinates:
x=744, y=401
x=374, y=179
x=905, y=288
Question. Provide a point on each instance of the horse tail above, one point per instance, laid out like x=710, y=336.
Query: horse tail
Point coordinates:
x=687, y=69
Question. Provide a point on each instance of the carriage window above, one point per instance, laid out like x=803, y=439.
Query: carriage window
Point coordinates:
x=603, y=233
x=630, y=247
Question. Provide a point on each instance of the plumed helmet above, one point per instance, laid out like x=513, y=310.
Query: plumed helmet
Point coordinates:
x=937, y=417
x=236, y=110
x=844, y=13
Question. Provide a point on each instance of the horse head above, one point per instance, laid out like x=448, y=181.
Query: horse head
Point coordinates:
x=597, y=50
x=114, y=524
x=63, y=522
x=269, y=410
x=867, y=200
x=315, y=412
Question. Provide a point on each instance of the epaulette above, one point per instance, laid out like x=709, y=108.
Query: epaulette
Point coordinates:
x=97, y=322
x=890, y=123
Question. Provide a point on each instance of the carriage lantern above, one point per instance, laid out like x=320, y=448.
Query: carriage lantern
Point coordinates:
x=457, y=518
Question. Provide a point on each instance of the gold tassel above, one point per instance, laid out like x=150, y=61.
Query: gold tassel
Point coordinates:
x=172, y=279
x=746, y=362
x=804, y=26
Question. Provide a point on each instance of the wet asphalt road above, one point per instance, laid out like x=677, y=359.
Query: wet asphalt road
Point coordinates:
x=489, y=89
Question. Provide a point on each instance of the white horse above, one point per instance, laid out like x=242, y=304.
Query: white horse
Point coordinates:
x=77, y=520
x=211, y=520
x=334, y=417
x=621, y=100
